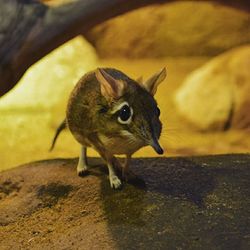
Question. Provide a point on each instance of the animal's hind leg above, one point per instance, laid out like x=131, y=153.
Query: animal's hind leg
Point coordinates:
x=82, y=166
x=127, y=174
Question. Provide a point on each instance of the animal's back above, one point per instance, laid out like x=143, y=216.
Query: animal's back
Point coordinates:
x=82, y=104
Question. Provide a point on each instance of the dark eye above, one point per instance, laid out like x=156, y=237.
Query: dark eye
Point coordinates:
x=158, y=112
x=125, y=114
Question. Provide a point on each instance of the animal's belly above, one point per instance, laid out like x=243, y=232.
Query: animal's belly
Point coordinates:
x=120, y=145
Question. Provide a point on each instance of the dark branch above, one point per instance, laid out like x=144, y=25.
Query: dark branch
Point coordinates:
x=29, y=30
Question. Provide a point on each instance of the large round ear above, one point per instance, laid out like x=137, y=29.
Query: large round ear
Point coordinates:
x=111, y=88
x=152, y=83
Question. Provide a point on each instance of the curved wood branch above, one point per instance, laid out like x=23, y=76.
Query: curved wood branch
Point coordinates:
x=29, y=29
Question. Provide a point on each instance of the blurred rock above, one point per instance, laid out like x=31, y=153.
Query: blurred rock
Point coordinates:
x=175, y=29
x=49, y=82
x=216, y=96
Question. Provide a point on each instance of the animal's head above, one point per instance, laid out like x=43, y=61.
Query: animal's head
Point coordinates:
x=130, y=108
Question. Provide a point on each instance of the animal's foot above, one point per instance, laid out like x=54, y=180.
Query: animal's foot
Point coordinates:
x=82, y=171
x=115, y=182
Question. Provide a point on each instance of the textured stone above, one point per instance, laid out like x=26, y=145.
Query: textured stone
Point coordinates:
x=173, y=29
x=216, y=96
x=176, y=203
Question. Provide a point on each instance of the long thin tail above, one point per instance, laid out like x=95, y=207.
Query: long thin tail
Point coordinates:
x=58, y=131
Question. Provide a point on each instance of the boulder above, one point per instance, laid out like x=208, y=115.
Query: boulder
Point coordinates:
x=176, y=203
x=49, y=82
x=172, y=29
x=216, y=96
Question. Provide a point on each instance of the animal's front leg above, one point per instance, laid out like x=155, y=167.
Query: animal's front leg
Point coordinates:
x=115, y=182
x=111, y=161
x=82, y=166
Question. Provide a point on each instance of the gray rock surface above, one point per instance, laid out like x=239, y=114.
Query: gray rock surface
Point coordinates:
x=216, y=95
x=176, y=203
x=172, y=29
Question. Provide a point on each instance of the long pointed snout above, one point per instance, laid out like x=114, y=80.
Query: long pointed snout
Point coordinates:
x=156, y=146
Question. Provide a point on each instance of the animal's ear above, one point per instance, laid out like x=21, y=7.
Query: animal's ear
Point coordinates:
x=152, y=83
x=111, y=88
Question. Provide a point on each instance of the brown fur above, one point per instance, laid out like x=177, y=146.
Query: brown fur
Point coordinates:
x=93, y=122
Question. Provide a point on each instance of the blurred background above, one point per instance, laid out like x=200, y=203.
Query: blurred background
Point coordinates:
x=204, y=101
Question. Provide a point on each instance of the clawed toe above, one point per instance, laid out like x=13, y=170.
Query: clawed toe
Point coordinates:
x=82, y=172
x=115, y=182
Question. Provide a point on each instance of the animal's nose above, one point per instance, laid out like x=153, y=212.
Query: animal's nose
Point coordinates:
x=156, y=146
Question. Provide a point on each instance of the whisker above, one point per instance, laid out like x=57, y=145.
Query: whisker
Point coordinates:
x=130, y=140
x=173, y=135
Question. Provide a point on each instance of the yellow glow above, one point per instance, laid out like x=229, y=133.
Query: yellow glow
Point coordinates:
x=31, y=112
x=48, y=82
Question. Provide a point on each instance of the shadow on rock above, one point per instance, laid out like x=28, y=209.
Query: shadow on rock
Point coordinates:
x=50, y=194
x=180, y=178
x=186, y=202
x=176, y=203
x=157, y=178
